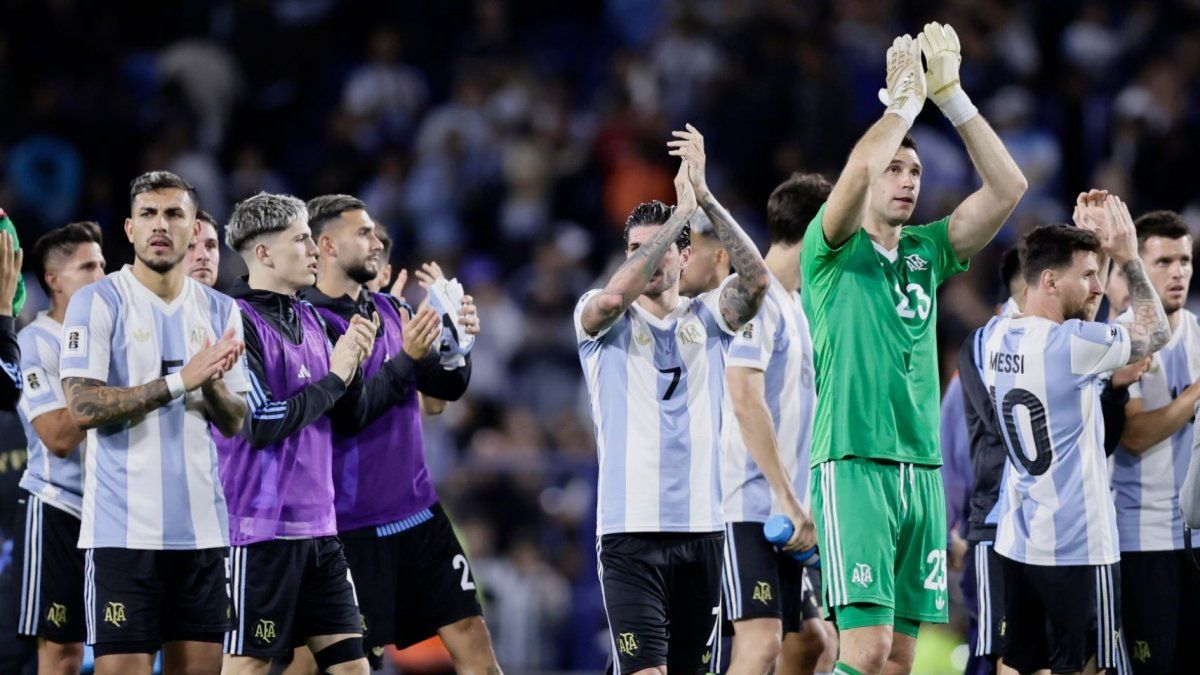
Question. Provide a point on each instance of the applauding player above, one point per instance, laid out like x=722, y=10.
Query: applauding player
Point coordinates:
x=414, y=579
x=654, y=365
x=149, y=358
x=1057, y=532
x=870, y=289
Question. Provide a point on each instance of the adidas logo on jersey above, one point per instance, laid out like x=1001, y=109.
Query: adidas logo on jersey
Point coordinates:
x=303, y=374
x=915, y=262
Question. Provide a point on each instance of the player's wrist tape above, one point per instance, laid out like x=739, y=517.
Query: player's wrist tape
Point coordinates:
x=958, y=108
x=907, y=112
x=175, y=385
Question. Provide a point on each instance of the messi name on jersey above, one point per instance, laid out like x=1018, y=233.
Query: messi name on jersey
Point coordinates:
x=1003, y=362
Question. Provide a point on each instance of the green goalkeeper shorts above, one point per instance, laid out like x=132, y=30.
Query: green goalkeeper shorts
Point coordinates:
x=881, y=527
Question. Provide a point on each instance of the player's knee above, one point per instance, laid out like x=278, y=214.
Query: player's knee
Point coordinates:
x=344, y=657
x=761, y=645
x=866, y=649
x=469, y=644
x=60, y=658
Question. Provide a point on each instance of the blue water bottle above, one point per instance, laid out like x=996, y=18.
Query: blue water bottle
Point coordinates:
x=778, y=530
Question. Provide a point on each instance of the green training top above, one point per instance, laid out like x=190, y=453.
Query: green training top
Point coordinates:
x=873, y=318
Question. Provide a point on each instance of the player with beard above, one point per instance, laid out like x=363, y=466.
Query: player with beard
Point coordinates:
x=52, y=608
x=1057, y=533
x=1160, y=585
x=149, y=359
x=654, y=365
x=414, y=578
x=204, y=252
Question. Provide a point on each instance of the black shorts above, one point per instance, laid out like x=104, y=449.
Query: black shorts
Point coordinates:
x=662, y=595
x=410, y=583
x=287, y=590
x=138, y=599
x=1059, y=617
x=1160, y=592
x=760, y=582
x=989, y=598
x=46, y=553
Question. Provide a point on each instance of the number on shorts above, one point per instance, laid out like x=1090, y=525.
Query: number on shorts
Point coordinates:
x=460, y=561
x=936, y=581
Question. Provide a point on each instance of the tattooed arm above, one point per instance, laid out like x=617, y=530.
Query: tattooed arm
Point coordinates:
x=1149, y=329
x=741, y=299
x=94, y=404
x=604, y=308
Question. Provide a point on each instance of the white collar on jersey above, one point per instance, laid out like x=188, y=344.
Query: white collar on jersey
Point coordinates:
x=891, y=255
x=665, y=322
x=140, y=288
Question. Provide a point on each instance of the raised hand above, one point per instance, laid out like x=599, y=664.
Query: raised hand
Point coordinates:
x=1089, y=213
x=685, y=194
x=421, y=332
x=1122, y=242
x=11, y=258
x=943, y=54
x=905, y=92
x=397, y=289
x=689, y=146
x=429, y=274
x=468, y=316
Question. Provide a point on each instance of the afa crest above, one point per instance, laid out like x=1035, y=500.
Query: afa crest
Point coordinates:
x=114, y=613
x=57, y=615
x=265, y=631
x=627, y=644
x=762, y=592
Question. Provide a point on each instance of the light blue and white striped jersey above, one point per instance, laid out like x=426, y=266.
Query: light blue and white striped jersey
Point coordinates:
x=150, y=483
x=656, y=387
x=1043, y=376
x=1147, y=485
x=58, y=481
x=776, y=342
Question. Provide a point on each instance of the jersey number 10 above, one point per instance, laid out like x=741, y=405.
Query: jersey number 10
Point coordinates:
x=1038, y=427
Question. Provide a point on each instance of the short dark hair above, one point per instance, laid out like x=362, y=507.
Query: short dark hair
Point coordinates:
x=1053, y=247
x=63, y=241
x=655, y=212
x=161, y=180
x=793, y=204
x=261, y=214
x=909, y=142
x=201, y=214
x=1010, y=266
x=382, y=234
x=1166, y=224
x=323, y=209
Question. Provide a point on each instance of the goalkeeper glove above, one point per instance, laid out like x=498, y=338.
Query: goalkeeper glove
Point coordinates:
x=6, y=225
x=905, y=92
x=943, y=54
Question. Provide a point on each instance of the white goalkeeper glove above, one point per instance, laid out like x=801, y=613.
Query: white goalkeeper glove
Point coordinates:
x=943, y=55
x=905, y=92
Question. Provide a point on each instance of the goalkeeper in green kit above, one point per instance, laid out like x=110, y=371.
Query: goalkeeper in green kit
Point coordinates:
x=870, y=288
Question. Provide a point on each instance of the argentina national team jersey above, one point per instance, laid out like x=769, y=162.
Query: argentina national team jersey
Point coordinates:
x=656, y=387
x=776, y=342
x=1055, y=505
x=1147, y=485
x=150, y=483
x=57, y=481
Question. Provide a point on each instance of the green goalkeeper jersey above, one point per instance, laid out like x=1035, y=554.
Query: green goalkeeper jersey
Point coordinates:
x=873, y=317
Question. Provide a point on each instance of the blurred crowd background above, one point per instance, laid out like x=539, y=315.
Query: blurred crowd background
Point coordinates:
x=509, y=140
